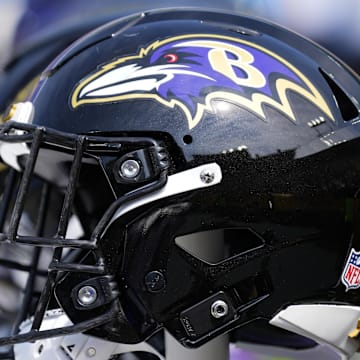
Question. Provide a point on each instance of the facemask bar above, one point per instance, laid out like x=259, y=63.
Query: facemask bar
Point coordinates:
x=80, y=145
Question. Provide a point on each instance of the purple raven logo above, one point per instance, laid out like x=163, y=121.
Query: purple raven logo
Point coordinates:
x=191, y=71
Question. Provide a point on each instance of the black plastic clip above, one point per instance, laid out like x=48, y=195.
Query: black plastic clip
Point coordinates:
x=141, y=165
x=94, y=292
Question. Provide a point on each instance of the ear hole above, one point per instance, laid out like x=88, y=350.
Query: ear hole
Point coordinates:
x=346, y=106
x=215, y=246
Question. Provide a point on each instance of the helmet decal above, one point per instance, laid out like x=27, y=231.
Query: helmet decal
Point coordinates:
x=191, y=71
x=351, y=274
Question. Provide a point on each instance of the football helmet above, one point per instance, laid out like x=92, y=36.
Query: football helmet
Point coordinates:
x=164, y=133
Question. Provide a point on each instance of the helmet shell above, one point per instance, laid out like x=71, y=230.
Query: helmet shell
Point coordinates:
x=268, y=88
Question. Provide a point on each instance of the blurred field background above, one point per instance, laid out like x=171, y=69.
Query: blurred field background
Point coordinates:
x=333, y=23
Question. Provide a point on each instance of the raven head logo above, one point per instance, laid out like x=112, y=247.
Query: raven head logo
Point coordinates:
x=191, y=71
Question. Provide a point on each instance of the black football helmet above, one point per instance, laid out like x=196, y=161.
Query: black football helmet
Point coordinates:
x=169, y=132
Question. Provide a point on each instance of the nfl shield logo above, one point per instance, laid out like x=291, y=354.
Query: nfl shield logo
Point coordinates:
x=351, y=274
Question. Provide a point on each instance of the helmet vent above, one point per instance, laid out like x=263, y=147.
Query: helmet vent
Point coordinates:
x=347, y=108
x=215, y=246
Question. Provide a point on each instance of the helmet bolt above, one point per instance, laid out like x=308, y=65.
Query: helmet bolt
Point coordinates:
x=130, y=168
x=219, y=309
x=87, y=295
x=91, y=352
x=207, y=176
x=154, y=281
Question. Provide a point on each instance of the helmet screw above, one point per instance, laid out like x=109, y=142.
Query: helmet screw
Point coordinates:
x=154, y=281
x=207, y=176
x=87, y=295
x=91, y=352
x=130, y=168
x=219, y=309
